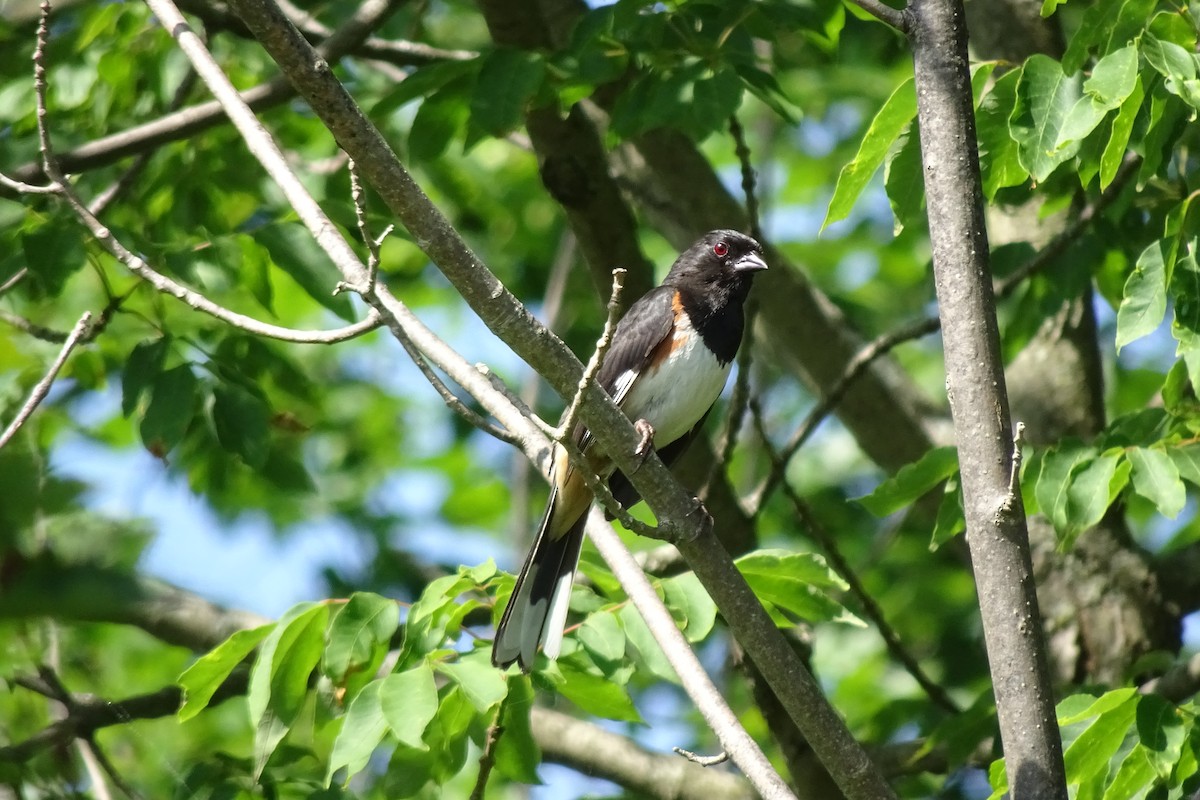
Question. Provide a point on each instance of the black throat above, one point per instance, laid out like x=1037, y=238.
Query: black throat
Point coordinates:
x=717, y=315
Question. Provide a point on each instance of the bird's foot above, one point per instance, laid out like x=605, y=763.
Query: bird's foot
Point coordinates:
x=706, y=519
x=646, y=443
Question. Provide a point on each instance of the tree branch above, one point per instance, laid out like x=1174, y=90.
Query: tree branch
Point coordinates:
x=709, y=700
x=189, y=121
x=884, y=13
x=591, y=750
x=513, y=323
x=996, y=527
x=43, y=386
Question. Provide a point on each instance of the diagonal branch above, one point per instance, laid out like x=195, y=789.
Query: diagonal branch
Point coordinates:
x=43, y=386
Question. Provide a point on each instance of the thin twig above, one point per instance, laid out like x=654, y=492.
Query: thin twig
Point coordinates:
x=16, y=278
x=21, y=187
x=367, y=291
x=32, y=328
x=879, y=347
x=748, y=180
x=1050, y=253
x=563, y=434
x=487, y=759
x=43, y=386
x=358, y=195
x=870, y=608
x=593, y=365
x=95, y=772
x=884, y=13
x=452, y=401
x=704, y=761
x=139, y=266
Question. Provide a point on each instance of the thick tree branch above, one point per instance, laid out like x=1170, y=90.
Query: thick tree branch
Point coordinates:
x=996, y=529
x=592, y=750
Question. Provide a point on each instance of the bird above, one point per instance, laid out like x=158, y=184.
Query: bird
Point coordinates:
x=667, y=364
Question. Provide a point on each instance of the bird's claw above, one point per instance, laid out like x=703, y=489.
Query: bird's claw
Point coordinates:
x=646, y=443
x=706, y=519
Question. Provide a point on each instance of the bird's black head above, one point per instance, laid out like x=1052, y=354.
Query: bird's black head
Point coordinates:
x=722, y=261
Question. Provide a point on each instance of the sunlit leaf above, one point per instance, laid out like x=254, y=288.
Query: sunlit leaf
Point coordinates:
x=409, y=701
x=912, y=482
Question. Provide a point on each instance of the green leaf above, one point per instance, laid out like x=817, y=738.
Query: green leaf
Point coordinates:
x=897, y=112
x=172, y=404
x=1145, y=299
x=480, y=682
x=1079, y=707
x=1156, y=478
x=279, y=678
x=1162, y=732
x=647, y=647
x=53, y=251
x=1106, y=30
x=1174, y=63
x=1089, y=754
x=366, y=622
x=409, y=701
x=141, y=369
x=1094, y=486
x=508, y=80
x=601, y=635
x=241, y=420
x=1113, y=80
x=766, y=88
x=362, y=730
x=1134, y=776
x=1118, y=142
x=716, y=98
x=422, y=82
x=903, y=179
x=794, y=583
x=1187, y=461
x=205, y=676
x=517, y=753
x=1053, y=489
x=293, y=250
x=1044, y=98
x=912, y=482
x=1185, y=290
x=950, y=520
x=690, y=604
x=440, y=118
x=1113, y=77
x=597, y=695
x=999, y=158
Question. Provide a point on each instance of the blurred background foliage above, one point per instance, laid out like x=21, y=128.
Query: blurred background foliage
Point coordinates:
x=1092, y=144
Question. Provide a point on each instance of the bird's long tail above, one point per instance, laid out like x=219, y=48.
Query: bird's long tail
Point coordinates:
x=537, y=610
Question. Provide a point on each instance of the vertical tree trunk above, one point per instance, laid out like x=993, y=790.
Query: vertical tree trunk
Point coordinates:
x=996, y=530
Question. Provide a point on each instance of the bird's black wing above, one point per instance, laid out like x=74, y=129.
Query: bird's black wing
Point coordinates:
x=643, y=328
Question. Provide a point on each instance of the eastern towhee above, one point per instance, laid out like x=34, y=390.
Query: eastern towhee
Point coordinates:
x=666, y=366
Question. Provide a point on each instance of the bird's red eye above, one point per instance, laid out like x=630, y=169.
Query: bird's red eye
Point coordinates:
x=721, y=249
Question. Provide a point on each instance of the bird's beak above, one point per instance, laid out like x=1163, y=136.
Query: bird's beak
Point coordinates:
x=751, y=262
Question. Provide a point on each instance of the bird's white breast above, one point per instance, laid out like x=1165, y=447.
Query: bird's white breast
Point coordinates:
x=673, y=397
